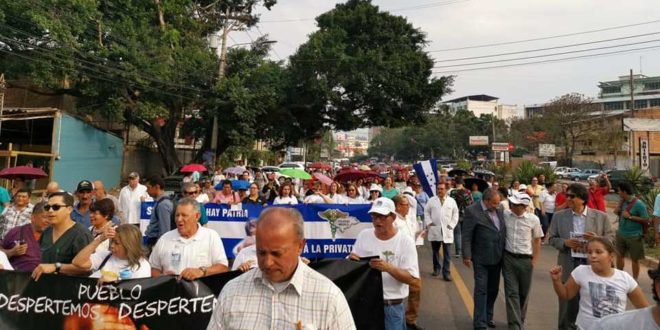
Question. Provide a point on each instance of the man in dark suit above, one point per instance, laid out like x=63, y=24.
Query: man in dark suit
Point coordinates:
x=484, y=235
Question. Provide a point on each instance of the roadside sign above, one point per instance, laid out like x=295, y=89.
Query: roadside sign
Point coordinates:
x=481, y=140
x=500, y=146
x=644, y=153
x=546, y=150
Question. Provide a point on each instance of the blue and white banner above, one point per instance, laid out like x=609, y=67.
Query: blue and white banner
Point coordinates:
x=330, y=229
x=427, y=172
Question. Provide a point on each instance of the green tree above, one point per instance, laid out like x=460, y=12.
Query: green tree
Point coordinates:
x=144, y=62
x=363, y=67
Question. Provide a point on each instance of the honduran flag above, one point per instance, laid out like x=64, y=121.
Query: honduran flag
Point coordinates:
x=427, y=172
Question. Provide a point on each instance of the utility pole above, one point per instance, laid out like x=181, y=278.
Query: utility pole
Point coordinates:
x=631, y=137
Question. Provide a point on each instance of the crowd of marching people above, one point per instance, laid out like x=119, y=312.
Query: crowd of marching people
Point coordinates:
x=496, y=231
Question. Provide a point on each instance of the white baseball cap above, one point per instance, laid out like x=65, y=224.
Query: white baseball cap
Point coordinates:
x=382, y=206
x=522, y=187
x=375, y=187
x=520, y=199
x=409, y=191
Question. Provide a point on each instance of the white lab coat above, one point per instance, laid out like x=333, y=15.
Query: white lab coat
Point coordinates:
x=444, y=217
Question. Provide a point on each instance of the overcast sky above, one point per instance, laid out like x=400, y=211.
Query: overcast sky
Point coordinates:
x=461, y=23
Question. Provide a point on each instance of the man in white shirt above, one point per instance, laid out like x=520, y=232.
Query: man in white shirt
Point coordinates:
x=190, y=251
x=521, y=250
x=441, y=217
x=130, y=198
x=396, y=259
x=408, y=226
x=283, y=292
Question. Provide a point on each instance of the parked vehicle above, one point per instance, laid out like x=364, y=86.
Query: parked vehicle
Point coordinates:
x=296, y=165
x=617, y=176
x=584, y=174
x=565, y=172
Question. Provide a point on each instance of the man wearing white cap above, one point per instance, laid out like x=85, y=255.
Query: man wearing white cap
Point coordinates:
x=396, y=258
x=521, y=250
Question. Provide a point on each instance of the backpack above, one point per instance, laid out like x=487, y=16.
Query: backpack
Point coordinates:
x=172, y=215
x=463, y=199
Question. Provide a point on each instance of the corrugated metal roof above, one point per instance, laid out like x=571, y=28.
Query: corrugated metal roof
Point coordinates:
x=27, y=113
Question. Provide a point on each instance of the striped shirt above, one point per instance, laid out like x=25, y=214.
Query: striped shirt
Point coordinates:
x=12, y=217
x=251, y=302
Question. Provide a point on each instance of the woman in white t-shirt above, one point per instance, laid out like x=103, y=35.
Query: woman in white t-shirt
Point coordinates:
x=603, y=289
x=4, y=262
x=125, y=260
x=285, y=196
x=353, y=196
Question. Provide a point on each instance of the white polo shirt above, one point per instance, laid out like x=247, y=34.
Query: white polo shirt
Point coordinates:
x=203, y=249
x=521, y=231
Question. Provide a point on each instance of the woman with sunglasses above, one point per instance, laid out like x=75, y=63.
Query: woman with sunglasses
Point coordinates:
x=603, y=289
x=125, y=259
x=101, y=214
x=375, y=192
x=352, y=195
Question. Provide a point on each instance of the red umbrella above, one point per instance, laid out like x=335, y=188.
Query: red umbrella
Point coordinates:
x=193, y=168
x=323, y=178
x=320, y=166
x=354, y=175
x=25, y=172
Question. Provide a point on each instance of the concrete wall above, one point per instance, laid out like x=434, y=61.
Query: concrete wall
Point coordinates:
x=85, y=153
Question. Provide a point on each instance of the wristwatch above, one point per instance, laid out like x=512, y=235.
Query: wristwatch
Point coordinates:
x=58, y=266
x=203, y=269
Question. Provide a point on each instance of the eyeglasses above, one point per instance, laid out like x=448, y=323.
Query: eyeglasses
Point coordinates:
x=570, y=195
x=191, y=192
x=55, y=207
x=351, y=189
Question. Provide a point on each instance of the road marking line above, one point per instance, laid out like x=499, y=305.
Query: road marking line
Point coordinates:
x=463, y=291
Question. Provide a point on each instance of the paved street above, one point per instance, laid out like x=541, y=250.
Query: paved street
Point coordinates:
x=448, y=305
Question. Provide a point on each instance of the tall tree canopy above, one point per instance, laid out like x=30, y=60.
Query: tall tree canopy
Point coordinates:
x=363, y=67
x=147, y=62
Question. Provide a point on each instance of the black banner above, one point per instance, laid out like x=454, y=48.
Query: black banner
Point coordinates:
x=65, y=302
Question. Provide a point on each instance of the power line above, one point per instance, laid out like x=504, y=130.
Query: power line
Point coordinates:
x=547, y=55
x=548, y=48
x=272, y=48
x=96, y=74
x=546, y=38
x=103, y=66
x=551, y=60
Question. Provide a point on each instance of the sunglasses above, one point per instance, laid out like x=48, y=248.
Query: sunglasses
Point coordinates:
x=191, y=192
x=55, y=207
x=570, y=195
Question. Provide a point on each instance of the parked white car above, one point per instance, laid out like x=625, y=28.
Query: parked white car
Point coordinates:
x=565, y=172
x=296, y=165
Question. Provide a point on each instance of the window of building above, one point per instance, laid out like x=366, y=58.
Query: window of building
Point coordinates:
x=613, y=106
x=611, y=89
x=654, y=103
x=652, y=85
x=640, y=104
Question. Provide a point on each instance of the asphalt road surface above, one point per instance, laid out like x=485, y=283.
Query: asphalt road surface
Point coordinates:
x=448, y=305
